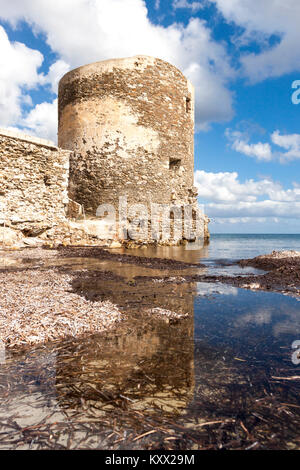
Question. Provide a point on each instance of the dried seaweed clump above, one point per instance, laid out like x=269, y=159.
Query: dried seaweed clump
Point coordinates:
x=39, y=306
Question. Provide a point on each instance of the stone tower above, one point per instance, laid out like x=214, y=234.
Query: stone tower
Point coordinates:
x=130, y=125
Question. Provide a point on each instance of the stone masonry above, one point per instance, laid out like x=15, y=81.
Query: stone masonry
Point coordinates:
x=34, y=178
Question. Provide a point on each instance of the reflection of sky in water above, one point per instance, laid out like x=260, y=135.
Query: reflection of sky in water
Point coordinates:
x=206, y=288
x=246, y=314
x=214, y=269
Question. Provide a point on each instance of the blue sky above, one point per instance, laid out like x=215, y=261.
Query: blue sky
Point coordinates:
x=241, y=55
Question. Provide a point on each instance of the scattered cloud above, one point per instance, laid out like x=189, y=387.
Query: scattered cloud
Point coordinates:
x=56, y=72
x=194, y=6
x=19, y=74
x=260, y=21
x=229, y=199
x=41, y=121
x=226, y=187
x=264, y=208
x=247, y=220
x=260, y=151
x=289, y=142
x=240, y=143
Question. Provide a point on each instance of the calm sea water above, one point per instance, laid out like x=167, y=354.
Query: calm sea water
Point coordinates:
x=236, y=246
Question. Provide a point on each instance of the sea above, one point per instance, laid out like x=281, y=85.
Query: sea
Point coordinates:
x=238, y=246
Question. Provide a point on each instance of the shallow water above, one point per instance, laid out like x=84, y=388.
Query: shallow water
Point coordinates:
x=223, y=250
x=214, y=379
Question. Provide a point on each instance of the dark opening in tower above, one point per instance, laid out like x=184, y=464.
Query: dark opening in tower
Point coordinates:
x=188, y=104
x=174, y=164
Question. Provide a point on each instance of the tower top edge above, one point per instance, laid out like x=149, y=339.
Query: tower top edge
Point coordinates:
x=125, y=63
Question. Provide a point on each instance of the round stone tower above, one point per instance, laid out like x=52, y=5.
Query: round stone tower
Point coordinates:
x=130, y=123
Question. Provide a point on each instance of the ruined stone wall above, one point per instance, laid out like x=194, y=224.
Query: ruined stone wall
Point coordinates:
x=130, y=123
x=33, y=182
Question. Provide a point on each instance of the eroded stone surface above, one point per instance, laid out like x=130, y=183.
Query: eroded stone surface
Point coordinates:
x=33, y=183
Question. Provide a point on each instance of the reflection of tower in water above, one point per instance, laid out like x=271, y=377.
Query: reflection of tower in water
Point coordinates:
x=148, y=365
x=144, y=368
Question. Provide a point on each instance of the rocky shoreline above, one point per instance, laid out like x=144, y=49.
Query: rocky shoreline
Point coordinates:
x=283, y=273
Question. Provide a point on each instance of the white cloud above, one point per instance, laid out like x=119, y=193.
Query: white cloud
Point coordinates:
x=262, y=19
x=42, y=121
x=266, y=208
x=205, y=288
x=18, y=74
x=56, y=72
x=247, y=220
x=212, y=103
x=260, y=151
x=239, y=143
x=83, y=31
x=230, y=199
x=290, y=142
x=194, y=6
x=226, y=187
x=263, y=151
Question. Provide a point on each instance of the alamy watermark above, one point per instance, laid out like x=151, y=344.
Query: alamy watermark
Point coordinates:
x=155, y=222
x=296, y=93
x=296, y=353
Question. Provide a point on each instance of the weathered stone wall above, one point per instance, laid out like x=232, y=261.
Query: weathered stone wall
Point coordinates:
x=130, y=123
x=33, y=182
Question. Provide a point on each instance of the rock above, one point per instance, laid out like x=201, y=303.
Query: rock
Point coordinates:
x=74, y=210
x=9, y=237
x=35, y=229
x=32, y=242
x=115, y=245
x=100, y=229
x=2, y=352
